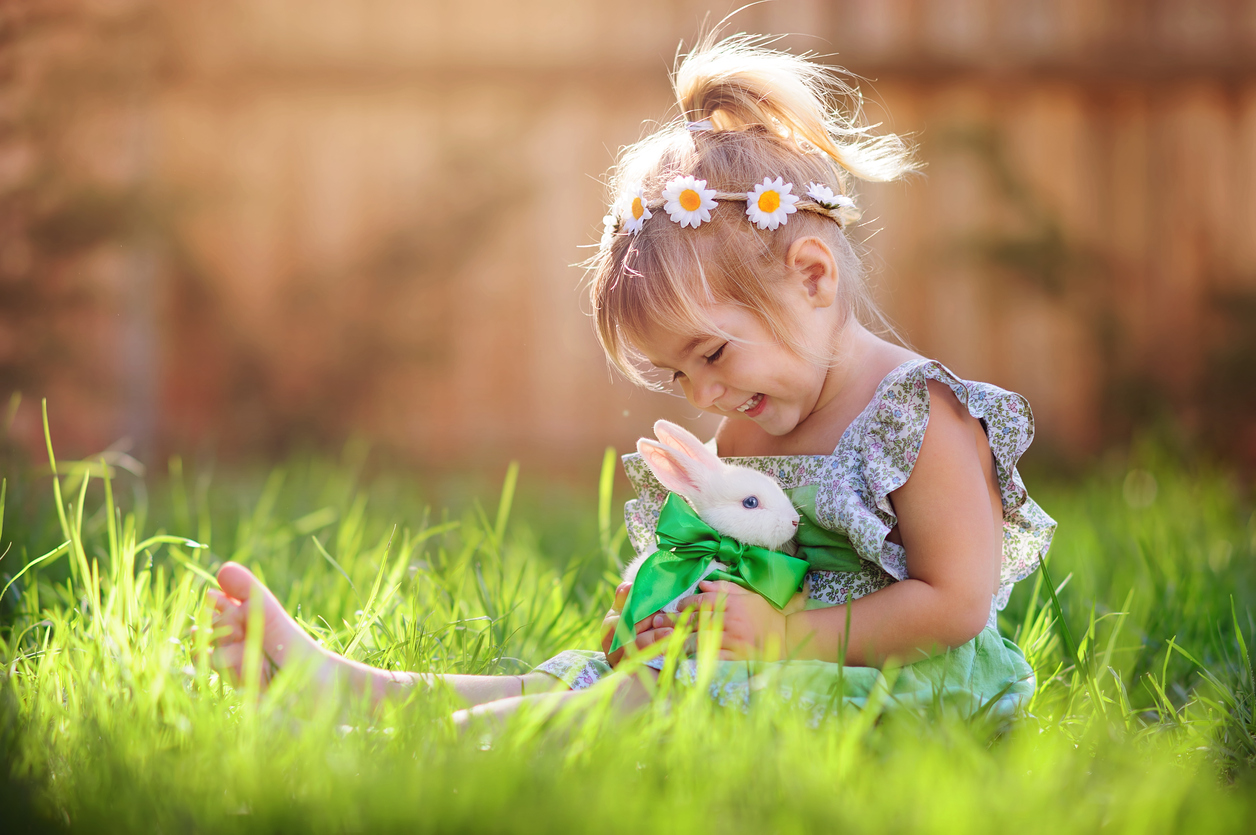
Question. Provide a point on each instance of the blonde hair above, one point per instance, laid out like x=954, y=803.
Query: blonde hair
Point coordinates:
x=771, y=113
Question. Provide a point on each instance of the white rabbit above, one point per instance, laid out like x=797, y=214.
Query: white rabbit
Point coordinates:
x=736, y=501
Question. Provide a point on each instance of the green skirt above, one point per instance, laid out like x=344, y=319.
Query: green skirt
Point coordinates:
x=986, y=676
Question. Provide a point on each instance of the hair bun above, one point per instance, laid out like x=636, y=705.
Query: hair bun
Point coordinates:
x=737, y=83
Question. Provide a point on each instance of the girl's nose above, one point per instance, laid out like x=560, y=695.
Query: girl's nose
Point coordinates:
x=706, y=392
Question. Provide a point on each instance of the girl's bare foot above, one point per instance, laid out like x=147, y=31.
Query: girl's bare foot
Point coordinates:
x=283, y=641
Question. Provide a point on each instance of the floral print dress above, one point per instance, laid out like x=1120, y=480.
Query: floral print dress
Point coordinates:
x=850, y=492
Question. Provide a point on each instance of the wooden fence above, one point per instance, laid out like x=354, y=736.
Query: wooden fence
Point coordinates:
x=253, y=224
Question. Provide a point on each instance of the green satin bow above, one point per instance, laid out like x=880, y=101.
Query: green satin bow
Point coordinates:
x=823, y=549
x=687, y=547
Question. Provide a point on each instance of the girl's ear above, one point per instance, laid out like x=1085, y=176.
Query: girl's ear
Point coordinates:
x=812, y=261
x=674, y=470
x=685, y=442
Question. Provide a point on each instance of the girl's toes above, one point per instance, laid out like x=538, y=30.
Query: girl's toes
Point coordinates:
x=229, y=622
x=226, y=633
x=227, y=658
x=237, y=581
x=220, y=600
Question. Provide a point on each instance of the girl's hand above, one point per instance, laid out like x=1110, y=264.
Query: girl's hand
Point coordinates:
x=753, y=628
x=651, y=630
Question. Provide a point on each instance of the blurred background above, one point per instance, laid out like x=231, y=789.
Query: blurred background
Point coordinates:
x=246, y=227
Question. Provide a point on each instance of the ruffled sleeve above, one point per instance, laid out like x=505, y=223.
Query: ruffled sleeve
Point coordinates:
x=879, y=451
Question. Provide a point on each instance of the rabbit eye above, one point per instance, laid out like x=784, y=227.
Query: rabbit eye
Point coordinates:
x=750, y=502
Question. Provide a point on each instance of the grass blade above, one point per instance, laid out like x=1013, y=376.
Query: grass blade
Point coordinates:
x=63, y=548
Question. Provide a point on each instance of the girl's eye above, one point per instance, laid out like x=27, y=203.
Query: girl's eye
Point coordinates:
x=676, y=375
x=717, y=354
x=750, y=502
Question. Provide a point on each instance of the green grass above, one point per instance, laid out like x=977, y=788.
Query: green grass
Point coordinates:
x=108, y=720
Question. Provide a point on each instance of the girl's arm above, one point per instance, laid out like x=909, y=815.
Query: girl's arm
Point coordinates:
x=950, y=519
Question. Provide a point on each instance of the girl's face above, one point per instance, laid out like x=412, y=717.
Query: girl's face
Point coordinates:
x=749, y=377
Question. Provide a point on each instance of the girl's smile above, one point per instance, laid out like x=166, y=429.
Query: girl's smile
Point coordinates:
x=753, y=407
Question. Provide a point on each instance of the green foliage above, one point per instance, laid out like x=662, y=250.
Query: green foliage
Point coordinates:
x=110, y=717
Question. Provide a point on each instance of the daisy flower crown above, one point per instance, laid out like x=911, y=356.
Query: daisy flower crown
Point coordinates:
x=687, y=200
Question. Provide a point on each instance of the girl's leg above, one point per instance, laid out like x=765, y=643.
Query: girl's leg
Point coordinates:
x=285, y=643
x=630, y=695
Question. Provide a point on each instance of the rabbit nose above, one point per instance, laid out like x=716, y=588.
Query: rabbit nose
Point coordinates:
x=795, y=523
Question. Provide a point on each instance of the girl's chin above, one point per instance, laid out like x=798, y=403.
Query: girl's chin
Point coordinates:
x=781, y=423
x=774, y=424
x=776, y=431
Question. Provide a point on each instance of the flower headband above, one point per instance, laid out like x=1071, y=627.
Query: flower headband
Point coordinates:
x=689, y=202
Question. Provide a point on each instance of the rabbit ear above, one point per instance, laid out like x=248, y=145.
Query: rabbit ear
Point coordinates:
x=674, y=470
x=686, y=442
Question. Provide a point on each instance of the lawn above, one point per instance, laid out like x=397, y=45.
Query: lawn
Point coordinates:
x=111, y=720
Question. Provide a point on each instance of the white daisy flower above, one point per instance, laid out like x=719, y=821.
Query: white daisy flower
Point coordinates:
x=688, y=201
x=610, y=223
x=820, y=193
x=770, y=204
x=824, y=195
x=636, y=212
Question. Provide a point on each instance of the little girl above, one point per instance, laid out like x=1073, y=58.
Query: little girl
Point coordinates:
x=725, y=266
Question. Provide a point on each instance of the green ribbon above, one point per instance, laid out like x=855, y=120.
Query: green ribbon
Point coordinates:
x=687, y=547
x=823, y=549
